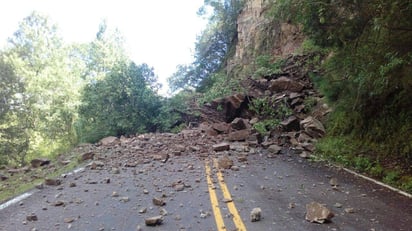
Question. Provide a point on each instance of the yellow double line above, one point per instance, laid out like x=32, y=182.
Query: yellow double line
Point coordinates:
x=237, y=220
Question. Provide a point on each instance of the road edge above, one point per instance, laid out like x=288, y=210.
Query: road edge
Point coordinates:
x=403, y=193
x=30, y=192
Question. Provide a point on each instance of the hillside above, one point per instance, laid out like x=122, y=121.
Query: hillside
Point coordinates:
x=292, y=59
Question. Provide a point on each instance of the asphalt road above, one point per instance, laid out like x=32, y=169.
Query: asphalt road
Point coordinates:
x=121, y=198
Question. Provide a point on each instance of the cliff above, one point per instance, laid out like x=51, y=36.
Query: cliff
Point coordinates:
x=260, y=34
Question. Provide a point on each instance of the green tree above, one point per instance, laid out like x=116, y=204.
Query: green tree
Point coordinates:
x=38, y=55
x=122, y=103
x=104, y=52
x=14, y=124
x=213, y=46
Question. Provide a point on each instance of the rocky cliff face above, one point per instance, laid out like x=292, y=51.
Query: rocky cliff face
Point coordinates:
x=260, y=34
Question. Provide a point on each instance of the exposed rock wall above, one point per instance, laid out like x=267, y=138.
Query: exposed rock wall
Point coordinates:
x=259, y=34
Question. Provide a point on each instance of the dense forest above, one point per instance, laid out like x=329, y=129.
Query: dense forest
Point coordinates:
x=56, y=95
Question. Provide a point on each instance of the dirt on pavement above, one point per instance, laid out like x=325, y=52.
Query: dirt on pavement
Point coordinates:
x=129, y=180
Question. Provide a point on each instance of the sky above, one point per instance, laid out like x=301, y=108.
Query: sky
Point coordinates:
x=161, y=33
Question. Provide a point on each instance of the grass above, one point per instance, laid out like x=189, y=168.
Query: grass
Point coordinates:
x=351, y=154
x=23, y=182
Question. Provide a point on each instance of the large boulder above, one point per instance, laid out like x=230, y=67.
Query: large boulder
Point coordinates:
x=221, y=127
x=316, y=212
x=240, y=124
x=291, y=124
x=231, y=106
x=240, y=135
x=313, y=127
x=285, y=84
x=224, y=162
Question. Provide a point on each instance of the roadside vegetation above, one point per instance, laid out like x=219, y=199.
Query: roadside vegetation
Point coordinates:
x=366, y=78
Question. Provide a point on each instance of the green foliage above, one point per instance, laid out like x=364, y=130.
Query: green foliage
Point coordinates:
x=213, y=46
x=376, y=170
x=265, y=66
x=266, y=107
x=103, y=53
x=271, y=113
x=122, y=103
x=310, y=102
x=407, y=184
x=176, y=112
x=366, y=76
x=264, y=127
x=45, y=108
x=309, y=46
x=262, y=107
x=362, y=163
x=220, y=85
x=391, y=177
x=335, y=149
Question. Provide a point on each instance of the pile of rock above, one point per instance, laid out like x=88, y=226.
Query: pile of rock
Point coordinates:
x=290, y=88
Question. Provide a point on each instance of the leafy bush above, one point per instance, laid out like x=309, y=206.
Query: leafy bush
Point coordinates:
x=265, y=107
x=391, y=177
x=264, y=127
x=265, y=66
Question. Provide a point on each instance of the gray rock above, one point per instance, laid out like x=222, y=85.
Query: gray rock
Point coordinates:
x=153, y=221
x=240, y=135
x=285, y=84
x=3, y=177
x=158, y=201
x=59, y=203
x=124, y=199
x=95, y=164
x=333, y=182
x=32, y=217
x=115, y=171
x=143, y=210
x=256, y=214
x=35, y=163
x=349, y=210
x=179, y=187
x=274, y=149
x=109, y=141
x=291, y=124
x=316, y=212
x=87, y=156
x=221, y=147
x=68, y=220
x=240, y=124
x=313, y=127
x=52, y=182
x=305, y=155
x=221, y=127
x=163, y=212
x=235, y=168
x=225, y=162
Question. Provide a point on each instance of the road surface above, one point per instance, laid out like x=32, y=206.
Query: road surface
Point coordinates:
x=113, y=195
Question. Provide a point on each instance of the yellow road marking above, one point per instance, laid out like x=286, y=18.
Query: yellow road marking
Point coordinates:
x=231, y=205
x=213, y=199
